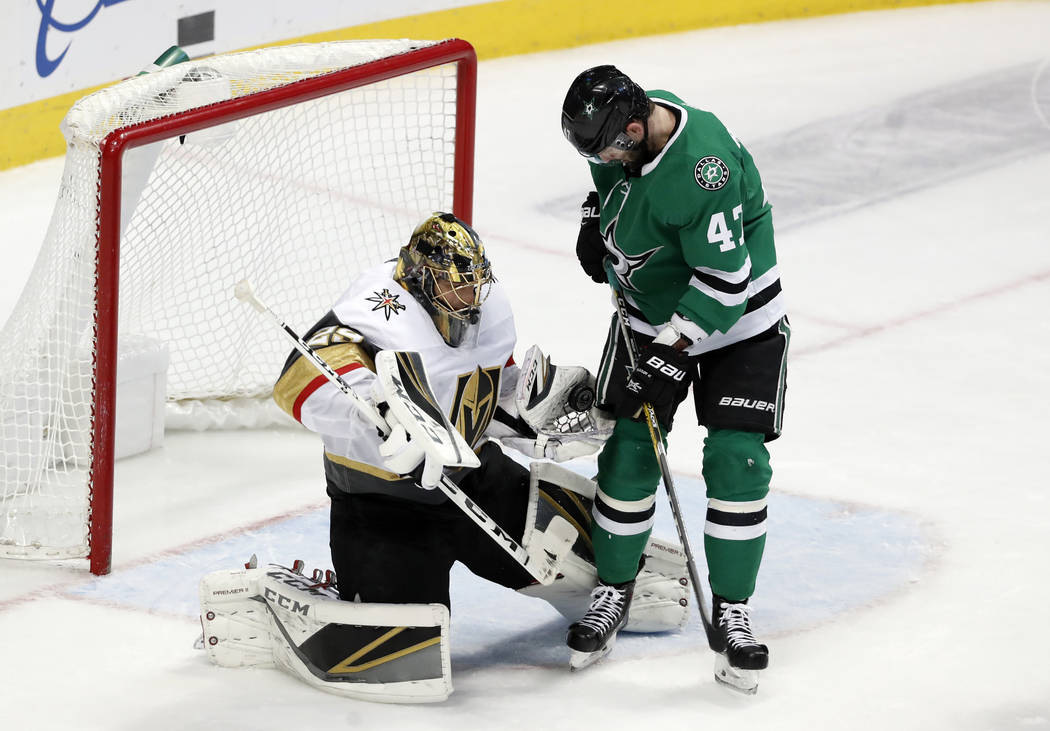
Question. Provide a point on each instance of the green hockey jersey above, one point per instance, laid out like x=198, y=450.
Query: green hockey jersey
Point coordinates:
x=690, y=237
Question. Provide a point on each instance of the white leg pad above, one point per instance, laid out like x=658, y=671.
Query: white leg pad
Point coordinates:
x=235, y=622
x=661, y=595
x=391, y=653
x=661, y=591
x=660, y=602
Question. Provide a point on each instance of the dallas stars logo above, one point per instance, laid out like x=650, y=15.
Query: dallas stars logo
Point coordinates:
x=589, y=108
x=711, y=173
x=625, y=265
x=387, y=302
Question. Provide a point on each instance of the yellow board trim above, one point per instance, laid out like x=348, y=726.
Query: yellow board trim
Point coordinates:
x=496, y=29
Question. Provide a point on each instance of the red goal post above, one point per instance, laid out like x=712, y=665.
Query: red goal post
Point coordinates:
x=296, y=166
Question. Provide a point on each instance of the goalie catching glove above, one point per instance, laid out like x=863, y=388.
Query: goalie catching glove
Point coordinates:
x=556, y=418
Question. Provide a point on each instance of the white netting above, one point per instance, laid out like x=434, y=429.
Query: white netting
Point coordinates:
x=298, y=199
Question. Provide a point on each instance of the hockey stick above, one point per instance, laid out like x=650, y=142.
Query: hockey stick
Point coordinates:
x=665, y=471
x=541, y=561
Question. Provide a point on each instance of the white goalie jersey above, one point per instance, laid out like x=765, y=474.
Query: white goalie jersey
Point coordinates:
x=376, y=313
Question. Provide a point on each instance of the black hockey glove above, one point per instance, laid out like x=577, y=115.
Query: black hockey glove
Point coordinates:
x=590, y=246
x=660, y=378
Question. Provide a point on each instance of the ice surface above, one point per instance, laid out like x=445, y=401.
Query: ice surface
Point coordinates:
x=908, y=157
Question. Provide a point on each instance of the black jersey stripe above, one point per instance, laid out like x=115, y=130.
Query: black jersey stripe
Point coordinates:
x=735, y=519
x=763, y=298
x=720, y=285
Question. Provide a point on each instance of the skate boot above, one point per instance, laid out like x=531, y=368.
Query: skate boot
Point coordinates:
x=593, y=636
x=740, y=656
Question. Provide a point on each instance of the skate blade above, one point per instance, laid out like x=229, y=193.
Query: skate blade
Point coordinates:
x=580, y=660
x=741, y=681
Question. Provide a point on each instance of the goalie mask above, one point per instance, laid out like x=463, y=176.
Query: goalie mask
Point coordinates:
x=445, y=268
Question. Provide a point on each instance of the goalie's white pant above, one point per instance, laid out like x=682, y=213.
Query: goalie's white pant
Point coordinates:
x=396, y=653
x=661, y=593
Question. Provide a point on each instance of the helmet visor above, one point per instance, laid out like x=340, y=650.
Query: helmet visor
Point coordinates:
x=622, y=143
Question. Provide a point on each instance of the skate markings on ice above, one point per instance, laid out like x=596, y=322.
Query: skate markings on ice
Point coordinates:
x=822, y=559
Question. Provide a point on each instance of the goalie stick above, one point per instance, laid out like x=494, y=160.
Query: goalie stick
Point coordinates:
x=665, y=470
x=540, y=559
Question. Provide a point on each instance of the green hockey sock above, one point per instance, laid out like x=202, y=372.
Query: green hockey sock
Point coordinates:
x=617, y=556
x=737, y=473
x=628, y=475
x=733, y=566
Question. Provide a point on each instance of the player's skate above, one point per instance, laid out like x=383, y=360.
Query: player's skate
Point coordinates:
x=593, y=636
x=740, y=656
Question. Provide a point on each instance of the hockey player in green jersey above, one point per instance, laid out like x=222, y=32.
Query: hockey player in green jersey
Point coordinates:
x=680, y=219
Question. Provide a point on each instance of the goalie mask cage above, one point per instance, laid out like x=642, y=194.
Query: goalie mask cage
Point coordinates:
x=296, y=167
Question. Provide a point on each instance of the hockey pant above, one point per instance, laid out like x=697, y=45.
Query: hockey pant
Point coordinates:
x=385, y=549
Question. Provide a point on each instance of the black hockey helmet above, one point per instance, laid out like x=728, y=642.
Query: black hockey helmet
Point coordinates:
x=600, y=103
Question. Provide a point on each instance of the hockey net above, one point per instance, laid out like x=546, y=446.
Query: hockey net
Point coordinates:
x=295, y=166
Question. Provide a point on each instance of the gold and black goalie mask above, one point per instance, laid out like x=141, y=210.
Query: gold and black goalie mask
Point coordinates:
x=445, y=268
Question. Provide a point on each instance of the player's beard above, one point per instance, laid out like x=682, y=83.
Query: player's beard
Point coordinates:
x=640, y=156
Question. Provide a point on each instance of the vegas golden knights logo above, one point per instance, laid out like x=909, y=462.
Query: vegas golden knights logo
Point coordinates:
x=477, y=395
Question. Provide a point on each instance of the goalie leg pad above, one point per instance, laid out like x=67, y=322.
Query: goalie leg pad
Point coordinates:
x=661, y=592
x=548, y=537
x=235, y=624
x=660, y=602
x=557, y=491
x=390, y=653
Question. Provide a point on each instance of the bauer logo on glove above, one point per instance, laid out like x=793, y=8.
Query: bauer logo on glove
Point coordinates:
x=668, y=369
x=659, y=379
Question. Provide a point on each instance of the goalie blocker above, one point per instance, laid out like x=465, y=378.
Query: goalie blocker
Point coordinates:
x=399, y=653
